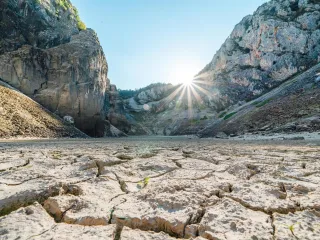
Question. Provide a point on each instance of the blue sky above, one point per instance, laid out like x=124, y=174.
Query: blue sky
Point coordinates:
x=147, y=41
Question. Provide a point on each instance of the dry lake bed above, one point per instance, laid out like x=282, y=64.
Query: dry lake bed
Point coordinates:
x=160, y=188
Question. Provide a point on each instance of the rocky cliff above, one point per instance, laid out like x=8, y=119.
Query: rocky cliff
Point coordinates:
x=47, y=53
x=280, y=40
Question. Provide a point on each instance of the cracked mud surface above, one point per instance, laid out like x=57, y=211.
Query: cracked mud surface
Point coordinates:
x=159, y=188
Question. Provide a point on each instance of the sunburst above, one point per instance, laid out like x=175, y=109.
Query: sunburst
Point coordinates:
x=191, y=93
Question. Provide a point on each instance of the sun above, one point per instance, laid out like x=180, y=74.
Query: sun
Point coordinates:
x=188, y=82
x=182, y=74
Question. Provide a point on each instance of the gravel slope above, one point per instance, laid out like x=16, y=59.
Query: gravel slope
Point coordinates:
x=20, y=116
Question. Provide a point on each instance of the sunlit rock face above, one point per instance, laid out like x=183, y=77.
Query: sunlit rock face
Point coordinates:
x=165, y=109
x=278, y=41
x=43, y=54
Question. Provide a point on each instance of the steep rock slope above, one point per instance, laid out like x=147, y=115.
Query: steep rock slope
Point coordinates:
x=20, y=116
x=294, y=106
x=278, y=41
x=276, y=44
x=46, y=53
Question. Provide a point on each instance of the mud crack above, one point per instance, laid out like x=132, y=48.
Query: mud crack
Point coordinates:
x=260, y=209
x=122, y=183
x=19, y=166
x=100, y=168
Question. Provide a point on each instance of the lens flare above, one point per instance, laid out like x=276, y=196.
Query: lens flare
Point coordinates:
x=188, y=82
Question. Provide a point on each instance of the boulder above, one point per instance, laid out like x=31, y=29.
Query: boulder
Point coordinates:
x=221, y=135
x=68, y=119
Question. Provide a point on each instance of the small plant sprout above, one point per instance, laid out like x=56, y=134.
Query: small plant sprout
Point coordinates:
x=143, y=183
x=292, y=227
x=146, y=181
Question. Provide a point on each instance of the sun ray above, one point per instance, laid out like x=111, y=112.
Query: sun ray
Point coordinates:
x=202, y=90
x=196, y=94
x=179, y=101
x=183, y=93
x=190, y=106
x=202, y=82
x=170, y=97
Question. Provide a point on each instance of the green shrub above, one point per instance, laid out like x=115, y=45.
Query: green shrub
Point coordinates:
x=222, y=114
x=64, y=4
x=146, y=181
x=81, y=25
x=229, y=115
x=260, y=104
x=194, y=121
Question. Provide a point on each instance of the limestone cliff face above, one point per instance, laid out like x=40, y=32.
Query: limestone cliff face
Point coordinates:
x=278, y=41
x=45, y=55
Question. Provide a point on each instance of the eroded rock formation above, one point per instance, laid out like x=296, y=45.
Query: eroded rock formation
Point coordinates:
x=47, y=54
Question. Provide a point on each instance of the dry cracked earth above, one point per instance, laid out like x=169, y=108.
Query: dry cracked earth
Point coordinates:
x=165, y=188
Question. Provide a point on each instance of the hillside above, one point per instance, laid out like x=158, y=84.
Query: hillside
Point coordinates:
x=292, y=107
x=242, y=89
x=20, y=117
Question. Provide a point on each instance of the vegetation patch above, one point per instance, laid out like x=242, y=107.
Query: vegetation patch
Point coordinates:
x=64, y=4
x=194, y=121
x=222, y=114
x=81, y=25
x=229, y=115
x=261, y=104
x=144, y=183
